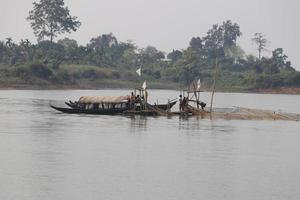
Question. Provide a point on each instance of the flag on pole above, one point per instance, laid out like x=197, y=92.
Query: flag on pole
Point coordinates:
x=144, y=85
x=139, y=71
x=199, y=84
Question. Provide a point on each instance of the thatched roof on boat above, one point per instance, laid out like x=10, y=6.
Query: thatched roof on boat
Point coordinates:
x=103, y=99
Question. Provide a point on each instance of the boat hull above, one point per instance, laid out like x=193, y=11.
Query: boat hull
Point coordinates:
x=114, y=111
x=165, y=106
x=160, y=106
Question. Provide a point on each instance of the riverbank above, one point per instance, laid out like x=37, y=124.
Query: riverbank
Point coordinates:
x=88, y=85
x=129, y=85
x=281, y=90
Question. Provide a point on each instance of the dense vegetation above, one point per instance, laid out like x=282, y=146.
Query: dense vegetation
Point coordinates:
x=107, y=62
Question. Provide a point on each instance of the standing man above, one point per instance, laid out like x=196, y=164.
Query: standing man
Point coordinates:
x=132, y=98
x=180, y=103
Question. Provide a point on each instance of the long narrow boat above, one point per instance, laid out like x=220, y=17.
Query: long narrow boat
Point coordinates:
x=100, y=105
x=166, y=107
x=72, y=104
x=111, y=111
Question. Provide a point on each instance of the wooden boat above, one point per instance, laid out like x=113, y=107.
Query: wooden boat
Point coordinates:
x=100, y=105
x=111, y=111
x=165, y=107
x=72, y=104
x=104, y=105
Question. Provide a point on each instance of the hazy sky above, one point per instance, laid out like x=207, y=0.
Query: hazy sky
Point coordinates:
x=169, y=24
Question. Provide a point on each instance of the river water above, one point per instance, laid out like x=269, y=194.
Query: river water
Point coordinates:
x=48, y=155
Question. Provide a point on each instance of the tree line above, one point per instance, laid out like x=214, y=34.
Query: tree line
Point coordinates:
x=217, y=52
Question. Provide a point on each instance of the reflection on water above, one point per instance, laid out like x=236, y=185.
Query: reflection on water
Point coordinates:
x=138, y=123
x=49, y=155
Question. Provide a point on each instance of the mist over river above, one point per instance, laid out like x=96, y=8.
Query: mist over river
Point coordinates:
x=48, y=155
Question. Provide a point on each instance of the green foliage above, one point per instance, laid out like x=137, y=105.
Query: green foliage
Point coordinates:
x=27, y=72
x=286, y=79
x=106, y=60
x=261, y=42
x=50, y=53
x=174, y=56
x=40, y=70
x=150, y=55
x=105, y=50
x=50, y=18
x=70, y=48
x=221, y=37
x=129, y=58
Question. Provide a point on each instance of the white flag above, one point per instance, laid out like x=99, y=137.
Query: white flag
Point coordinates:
x=139, y=71
x=199, y=84
x=144, y=85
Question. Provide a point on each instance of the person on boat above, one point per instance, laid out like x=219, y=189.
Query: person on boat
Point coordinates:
x=142, y=101
x=202, y=104
x=184, y=102
x=138, y=101
x=180, y=103
x=132, y=99
x=146, y=96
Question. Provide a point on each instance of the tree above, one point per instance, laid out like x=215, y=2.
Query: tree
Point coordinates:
x=129, y=58
x=188, y=65
x=231, y=32
x=221, y=37
x=12, y=51
x=214, y=41
x=50, y=53
x=103, y=41
x=236, y=52
x=218, y=39
x=2, y=51
x=9, y=42
x=107, y=51
x=150, y=55
x=50, y=18
x=196, y=44
x=71, y=48
x=174, y=55
x=279, y=60
x=25, y=43
x=26, y=50
x=261, y=42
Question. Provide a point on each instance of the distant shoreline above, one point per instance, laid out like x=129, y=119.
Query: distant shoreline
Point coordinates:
x=280, y=90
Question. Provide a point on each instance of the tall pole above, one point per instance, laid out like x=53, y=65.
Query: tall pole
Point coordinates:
x=214, y=85
x=196, y=96
x=146, y=98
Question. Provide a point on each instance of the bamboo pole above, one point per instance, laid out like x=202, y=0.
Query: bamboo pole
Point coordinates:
x=214, y=85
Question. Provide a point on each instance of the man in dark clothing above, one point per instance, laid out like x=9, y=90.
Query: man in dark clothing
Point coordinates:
x=180, y=103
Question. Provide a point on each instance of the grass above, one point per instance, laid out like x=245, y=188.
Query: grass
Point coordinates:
x=39, y=76
x=75, y=76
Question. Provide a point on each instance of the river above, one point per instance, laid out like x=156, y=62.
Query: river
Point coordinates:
x=48, y=155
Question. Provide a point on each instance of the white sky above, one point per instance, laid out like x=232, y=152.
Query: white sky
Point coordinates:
x=169, y=24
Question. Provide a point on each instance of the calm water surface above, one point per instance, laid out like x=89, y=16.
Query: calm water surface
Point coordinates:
x=48, y=155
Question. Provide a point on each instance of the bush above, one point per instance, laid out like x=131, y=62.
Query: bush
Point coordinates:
x=40, y=70
x=115, y=74
x=34, y=69
x=296, y=79
x=157, y=75
x=20, y=71
x=91, y=74
x=130, y=76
